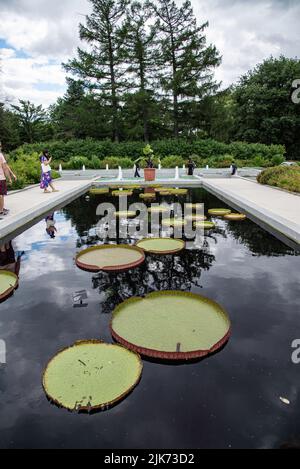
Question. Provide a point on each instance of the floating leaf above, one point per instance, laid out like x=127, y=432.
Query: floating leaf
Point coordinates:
x=219, y=212
x=91, y=375
x=122, y=193
x=235, y=216
x=8, y=283
x=99, y=190
x=161, y=245
x=110, y=258
x=176, y=222
x=125, y=214
x=171, y=325
x=205, y=225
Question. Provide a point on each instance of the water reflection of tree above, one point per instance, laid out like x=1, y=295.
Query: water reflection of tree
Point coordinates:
x=82, y=214
x=180, y=272
x=260, y=242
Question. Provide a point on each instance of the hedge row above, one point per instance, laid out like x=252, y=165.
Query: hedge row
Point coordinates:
x=285, y=177
x=203, y=149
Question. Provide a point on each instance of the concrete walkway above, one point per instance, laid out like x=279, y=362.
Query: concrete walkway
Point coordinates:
x=277, y=209
x=29, y=205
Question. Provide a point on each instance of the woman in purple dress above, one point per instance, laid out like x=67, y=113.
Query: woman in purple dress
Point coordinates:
x=46, y=179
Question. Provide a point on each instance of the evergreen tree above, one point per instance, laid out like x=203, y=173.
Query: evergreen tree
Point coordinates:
x=101, y=67
x=140, y=56
x=264, y=110
x=186, y=60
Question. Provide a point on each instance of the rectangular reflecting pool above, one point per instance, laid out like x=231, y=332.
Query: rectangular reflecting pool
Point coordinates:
x=244, y=396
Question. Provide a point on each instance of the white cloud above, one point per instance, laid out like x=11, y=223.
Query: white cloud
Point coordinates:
x=44, y=34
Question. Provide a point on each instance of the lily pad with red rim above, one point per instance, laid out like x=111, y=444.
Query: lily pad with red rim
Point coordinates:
x=8, y=283
x=110, y=258
x=171, y=325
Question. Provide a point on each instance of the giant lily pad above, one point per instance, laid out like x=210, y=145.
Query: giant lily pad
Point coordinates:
x=178, y=191
x=205, y=225
x=194, y=206
x=195, y=217
x=176, y=222
x=91, y=375
x=219, y=212
x=161, y=245
x=110, y=258
x=125, y=214
x=158, y=209
x=148, y=196
x=171, y=325
x=99, y=190
x=235, y=216
x=8, y=283
x=122, y=193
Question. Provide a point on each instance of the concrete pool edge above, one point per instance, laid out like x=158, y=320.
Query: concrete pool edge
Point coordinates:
x=267, y=219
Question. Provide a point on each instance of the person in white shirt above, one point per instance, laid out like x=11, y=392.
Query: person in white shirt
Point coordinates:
x=46, y=178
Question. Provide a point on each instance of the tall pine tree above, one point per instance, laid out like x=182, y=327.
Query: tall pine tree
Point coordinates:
x=140, y=56
x=101, y=66
x=187, y=62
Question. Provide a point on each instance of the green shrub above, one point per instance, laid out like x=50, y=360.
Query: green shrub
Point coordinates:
x=28, y=170
x=285, y=177
x=202, y=148
x=172, y=161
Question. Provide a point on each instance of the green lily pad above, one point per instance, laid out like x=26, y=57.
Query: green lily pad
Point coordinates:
x=110, y=258
x=125, y=214
x=99, y=190
x=194, y=217
x=161, y=245
x=178, y=191
x=176, y=222
x=205, y=225
x=122, y=193
x=235, y=217
x=219, y=212
x=148, y=196
x=171, y=325
x=8, y=283
x=91, y=375
x=158, y=209
x=193, y=206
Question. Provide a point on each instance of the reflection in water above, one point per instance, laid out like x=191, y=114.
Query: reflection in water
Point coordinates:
x=51, y=229
x=180, y=272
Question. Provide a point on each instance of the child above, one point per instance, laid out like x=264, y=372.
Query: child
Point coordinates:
x=5, y=172
x=46, y=179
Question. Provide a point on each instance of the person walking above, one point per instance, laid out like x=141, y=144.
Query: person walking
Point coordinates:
x=137, y=170
x=191, y=167
x=234, y=169
x=46, y=178
x=5, y=173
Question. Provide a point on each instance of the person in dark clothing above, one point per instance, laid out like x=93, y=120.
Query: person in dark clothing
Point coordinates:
x=137, y=170
x=234, y=169
x=191, y=167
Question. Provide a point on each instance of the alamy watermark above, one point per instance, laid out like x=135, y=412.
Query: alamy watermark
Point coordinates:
x=138, y=220
x=296, y=352
x=2, y=352
x=296, y=92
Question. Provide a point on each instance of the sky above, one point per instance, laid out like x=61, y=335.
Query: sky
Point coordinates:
x=36, y=36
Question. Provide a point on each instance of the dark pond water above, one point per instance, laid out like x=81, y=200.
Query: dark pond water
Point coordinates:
x=231, y=399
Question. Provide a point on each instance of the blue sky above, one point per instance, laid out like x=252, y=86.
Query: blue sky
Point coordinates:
x=36, y=36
